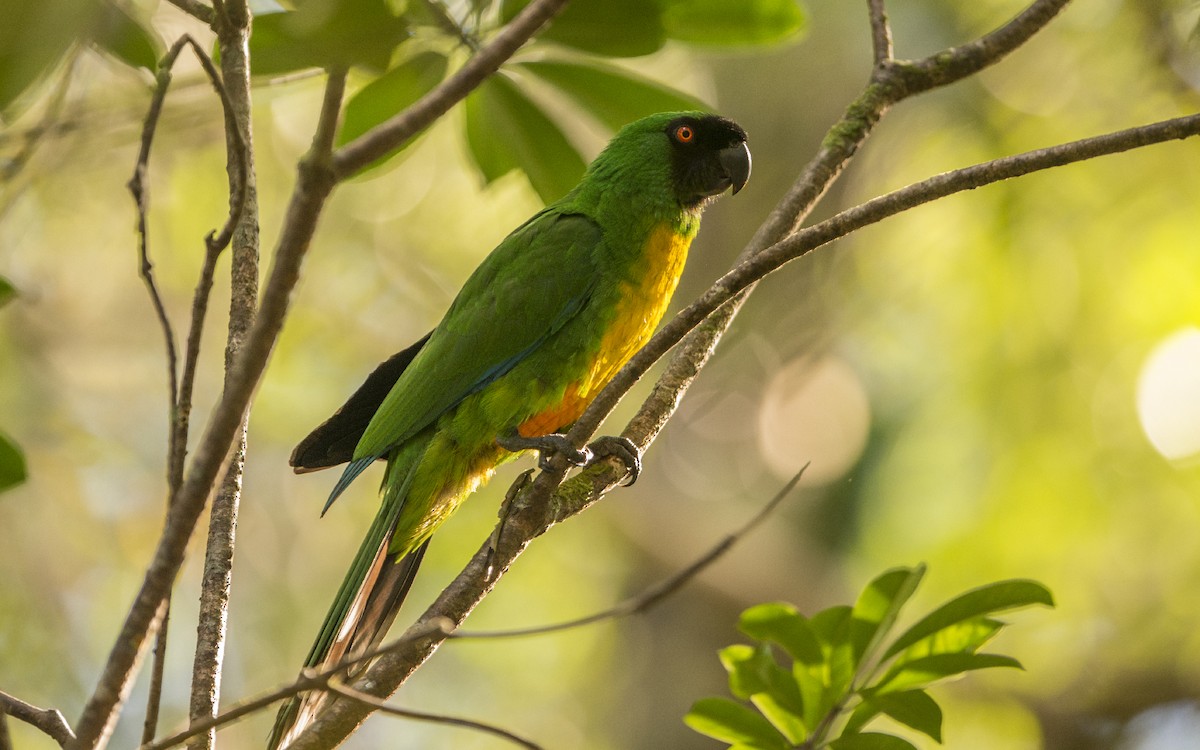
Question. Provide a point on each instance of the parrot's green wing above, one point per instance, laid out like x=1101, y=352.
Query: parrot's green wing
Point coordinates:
x=536, y=280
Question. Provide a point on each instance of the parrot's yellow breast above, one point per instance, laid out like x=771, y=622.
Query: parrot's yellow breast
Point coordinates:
x=644, y=297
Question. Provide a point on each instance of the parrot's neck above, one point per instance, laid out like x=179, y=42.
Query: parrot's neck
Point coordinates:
x=617, y=201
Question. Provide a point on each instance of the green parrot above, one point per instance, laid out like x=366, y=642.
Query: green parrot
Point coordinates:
x=537, y=331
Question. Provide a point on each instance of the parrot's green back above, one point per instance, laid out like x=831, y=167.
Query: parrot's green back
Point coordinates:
x=537, y=330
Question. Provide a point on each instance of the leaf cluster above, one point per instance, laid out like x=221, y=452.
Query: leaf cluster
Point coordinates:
x=820, y=681
x=38, y=35
x=403, y=56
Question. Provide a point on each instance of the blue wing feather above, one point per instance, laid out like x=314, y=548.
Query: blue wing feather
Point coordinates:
x=351, y=472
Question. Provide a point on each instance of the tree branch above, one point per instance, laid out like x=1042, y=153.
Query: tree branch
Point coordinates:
x=308, y=680
x=49, y=720
x=387, y=136
x=233, y=36
x=180, y=391
x=659, y=591
x=881, y=32
x=196, y=9
x=341, y=688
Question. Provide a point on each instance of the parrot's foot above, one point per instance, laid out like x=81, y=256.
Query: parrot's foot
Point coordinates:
x=546, y=446
x=621, y=448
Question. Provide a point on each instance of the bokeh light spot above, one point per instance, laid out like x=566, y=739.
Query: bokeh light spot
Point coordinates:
x=814, y=411
x=1168, y=395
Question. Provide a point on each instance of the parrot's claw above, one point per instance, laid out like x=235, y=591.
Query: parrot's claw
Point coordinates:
x=547, y=446
x=623, y=449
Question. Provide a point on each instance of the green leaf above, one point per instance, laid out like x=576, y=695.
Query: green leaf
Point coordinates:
x=962, y=637
x=878, y=606
x=984, y=600
x=389, y=94
x=780, y=623
x=745, y=22
x=915, y=709
x=912, y=708
x=7, y=291
x=725, y=720
x=754, y=675
x=745, y=667
x=506, y=131
x=614, y=28
x=273, y=50
x=813, y=697
x=34, y=37
x=326, y=33
x=930, y=669
x=783, y=716
x=125, y=37
x=832, y=627
x=871, y=741
x=12, y=464
x=614, y=96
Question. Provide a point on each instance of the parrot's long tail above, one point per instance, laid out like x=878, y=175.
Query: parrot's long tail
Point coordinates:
x=363, y=610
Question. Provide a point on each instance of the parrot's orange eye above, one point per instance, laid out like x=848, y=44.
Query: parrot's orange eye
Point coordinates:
x=684, y=134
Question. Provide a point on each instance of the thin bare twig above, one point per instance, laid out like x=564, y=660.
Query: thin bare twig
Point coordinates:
x=157, y=673
x=49, y=720
x=196, y=9
x=180, y=393
x=337, y=686
x=659, y=591
x=180, y=390
x=881, y=32
x=309, y=680
x=217, y=578
x=890, y=84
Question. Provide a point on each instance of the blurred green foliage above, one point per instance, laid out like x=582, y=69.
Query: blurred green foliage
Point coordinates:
x=996, y=339
x=407, y=54
x=37, y=34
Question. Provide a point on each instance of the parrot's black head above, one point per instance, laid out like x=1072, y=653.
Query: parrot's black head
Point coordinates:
x=708, y=156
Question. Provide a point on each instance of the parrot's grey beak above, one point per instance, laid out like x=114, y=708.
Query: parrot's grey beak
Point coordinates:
x=735, y=160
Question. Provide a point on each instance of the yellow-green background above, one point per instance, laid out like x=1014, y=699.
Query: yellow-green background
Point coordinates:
x=963, y=378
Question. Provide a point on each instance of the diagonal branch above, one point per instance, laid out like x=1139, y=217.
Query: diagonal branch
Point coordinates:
x=387, y=136
x=659, y=591
x=344, y=690
x=309, y=680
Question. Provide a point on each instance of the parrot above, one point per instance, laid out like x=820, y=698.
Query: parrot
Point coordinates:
x=537, y=330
